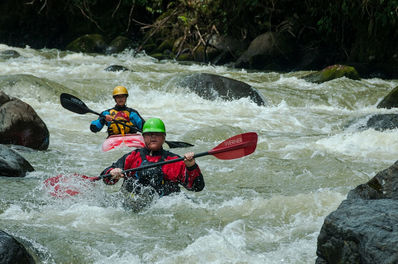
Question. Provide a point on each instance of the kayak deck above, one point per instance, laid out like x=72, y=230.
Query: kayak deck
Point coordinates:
x=129, y=140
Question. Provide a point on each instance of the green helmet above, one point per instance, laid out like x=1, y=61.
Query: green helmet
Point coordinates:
x=154, y=125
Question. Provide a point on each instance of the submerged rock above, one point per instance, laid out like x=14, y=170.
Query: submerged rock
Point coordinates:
x=114, y=68
x=9, y=54
x=383, y=122
x=12, y=164
x=364, y=228
x=211, y=86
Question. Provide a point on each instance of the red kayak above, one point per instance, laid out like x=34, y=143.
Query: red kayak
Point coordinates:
x=129, y=140
x=62, y=186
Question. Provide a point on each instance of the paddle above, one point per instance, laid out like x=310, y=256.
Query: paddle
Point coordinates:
x=77, y=106
x=235, y=147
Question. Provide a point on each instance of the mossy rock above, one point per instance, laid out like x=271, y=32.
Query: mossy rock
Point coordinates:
x=166, y=55
x=390, y=101
x=157, y=55
x=166, y=45
x=332, y=72
x=89, y=43
x=149, y=47
x=119, y=44
x=185, y=57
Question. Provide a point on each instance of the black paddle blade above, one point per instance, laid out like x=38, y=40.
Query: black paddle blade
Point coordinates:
x=73, y=104
x=178, y=144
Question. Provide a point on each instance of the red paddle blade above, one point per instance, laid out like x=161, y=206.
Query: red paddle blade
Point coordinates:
x=236, y=146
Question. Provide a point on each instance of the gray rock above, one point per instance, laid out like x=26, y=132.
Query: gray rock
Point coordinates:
x=20, y=124
x=12, y=164
x=364, y=229
x=9, y=54
x=211, y=87
x=390, y=101
x=12, y=251
x=269, y=50
x=383, y=122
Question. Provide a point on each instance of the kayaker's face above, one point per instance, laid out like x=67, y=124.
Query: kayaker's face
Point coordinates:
x=154, y=140
x=120, y=99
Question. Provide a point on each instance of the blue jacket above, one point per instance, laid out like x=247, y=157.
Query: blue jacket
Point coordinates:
x=131, y=118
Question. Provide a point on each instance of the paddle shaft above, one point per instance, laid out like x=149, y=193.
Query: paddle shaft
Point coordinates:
x=217, y=150
x=156, y=164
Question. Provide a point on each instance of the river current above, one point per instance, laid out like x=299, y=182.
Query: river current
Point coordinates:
x=267, y=207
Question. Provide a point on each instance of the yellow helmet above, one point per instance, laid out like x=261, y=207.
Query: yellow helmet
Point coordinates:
x=120, y=90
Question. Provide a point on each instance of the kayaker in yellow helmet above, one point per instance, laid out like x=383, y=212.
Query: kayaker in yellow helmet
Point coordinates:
x=121, y=113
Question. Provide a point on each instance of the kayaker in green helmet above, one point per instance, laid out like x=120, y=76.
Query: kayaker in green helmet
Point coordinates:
x=160, y=180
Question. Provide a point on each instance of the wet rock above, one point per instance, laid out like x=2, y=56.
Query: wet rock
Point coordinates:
x=390, y=101
x=12, y=164
x=90, y=43
x=20, y=124
x=364, y=228
x=383, y=122
x=9, y=54
x=211, y=87
x=114, y=68
x=12, y=251
x=332, y=72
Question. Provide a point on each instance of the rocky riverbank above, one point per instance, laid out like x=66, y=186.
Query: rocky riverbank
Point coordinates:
x=265, y=36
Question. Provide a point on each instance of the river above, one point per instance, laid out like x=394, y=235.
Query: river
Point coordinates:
x=267, y=207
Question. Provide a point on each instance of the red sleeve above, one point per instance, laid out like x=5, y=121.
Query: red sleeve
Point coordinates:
x=178, y=172
x=128, y=161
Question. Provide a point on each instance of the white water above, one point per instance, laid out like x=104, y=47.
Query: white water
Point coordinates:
x=264, y=208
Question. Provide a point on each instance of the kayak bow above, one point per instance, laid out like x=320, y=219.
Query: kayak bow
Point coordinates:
x=129, y=140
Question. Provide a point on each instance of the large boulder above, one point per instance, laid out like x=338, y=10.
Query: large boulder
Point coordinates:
x=12, y=164
x=364, y=228
x=20, y=124
x=12, y=251
x=224, y=49
x=211, y=87
x=269, y=51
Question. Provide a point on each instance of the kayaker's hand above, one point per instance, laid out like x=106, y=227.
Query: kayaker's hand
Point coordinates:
x=188, y=159
x=116, y=173
x=108, y=118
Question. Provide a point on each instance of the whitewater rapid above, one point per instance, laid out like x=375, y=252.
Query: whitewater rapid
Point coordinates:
x=267, y=207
